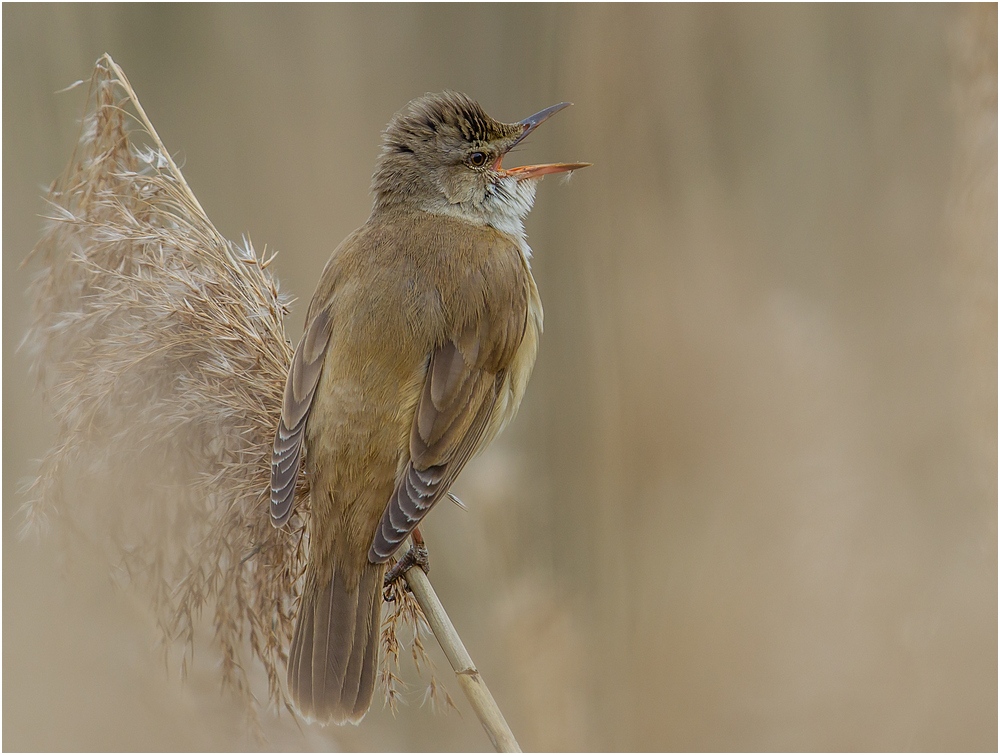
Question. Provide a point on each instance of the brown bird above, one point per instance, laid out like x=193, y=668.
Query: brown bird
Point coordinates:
x=419, y=342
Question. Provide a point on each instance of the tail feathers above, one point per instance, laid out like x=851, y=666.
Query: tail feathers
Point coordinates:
x=331, y=662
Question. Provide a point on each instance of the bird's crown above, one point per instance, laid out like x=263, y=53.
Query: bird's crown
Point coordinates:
x=448, y=115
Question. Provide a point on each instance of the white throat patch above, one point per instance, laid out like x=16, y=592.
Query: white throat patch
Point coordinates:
x=504, y=206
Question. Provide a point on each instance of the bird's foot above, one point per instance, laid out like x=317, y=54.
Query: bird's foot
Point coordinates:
x=416, y=556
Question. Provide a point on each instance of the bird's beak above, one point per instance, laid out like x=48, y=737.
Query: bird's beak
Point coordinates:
x=534, y=121
x=534, y=171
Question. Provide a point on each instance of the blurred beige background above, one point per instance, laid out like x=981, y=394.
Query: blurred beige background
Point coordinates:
x=750, y=501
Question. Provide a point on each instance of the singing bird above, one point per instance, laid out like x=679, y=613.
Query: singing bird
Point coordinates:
x=418, y=345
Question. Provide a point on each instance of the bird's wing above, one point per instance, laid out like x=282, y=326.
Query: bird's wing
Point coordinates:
x=464, y=376
x=303, y=377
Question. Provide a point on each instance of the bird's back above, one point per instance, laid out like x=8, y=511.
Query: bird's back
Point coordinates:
x=395, y=293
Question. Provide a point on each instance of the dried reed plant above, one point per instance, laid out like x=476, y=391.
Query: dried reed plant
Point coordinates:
x=405, y=613
x=159, y=347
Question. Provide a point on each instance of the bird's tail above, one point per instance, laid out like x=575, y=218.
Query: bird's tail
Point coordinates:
x=332, y=658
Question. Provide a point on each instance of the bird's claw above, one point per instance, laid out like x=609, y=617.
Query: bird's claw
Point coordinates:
x=417, y=555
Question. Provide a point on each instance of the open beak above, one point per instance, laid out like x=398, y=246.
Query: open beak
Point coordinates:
x=534, y=171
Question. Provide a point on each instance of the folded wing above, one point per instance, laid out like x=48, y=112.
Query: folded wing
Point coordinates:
x=464, y=377
x=300, y=388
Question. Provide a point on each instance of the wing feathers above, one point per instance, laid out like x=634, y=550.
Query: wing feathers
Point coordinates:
x=420, y=488
x=300, y=387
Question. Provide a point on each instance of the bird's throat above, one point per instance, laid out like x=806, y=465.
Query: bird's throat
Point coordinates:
x=503, y=206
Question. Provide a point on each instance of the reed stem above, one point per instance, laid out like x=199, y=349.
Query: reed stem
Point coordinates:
x=469, y=678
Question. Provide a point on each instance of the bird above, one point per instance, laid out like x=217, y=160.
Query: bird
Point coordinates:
x=419, y=342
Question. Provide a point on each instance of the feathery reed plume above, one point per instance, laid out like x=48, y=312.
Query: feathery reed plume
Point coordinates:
x=405, y=611
x=159, y=347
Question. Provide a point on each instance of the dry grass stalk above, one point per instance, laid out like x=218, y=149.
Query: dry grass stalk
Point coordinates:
x=403, y=611
x=160, y=348
x=469, y=678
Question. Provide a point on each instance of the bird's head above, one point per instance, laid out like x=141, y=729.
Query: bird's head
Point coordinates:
x=442, y=154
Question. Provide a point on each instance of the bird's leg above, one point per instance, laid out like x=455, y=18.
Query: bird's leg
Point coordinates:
x=415, y=556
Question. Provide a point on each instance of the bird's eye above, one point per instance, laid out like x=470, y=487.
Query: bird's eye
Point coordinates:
x=477, y=159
